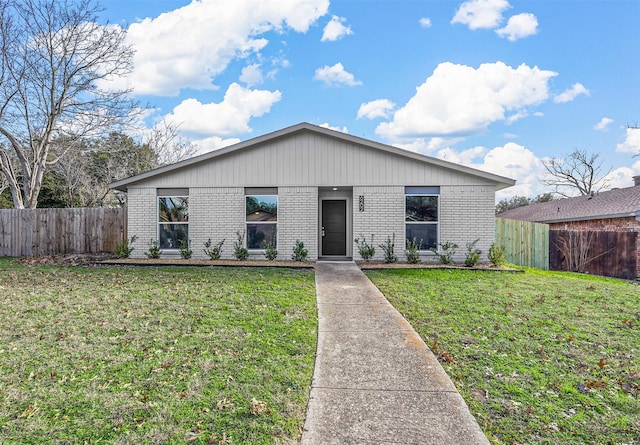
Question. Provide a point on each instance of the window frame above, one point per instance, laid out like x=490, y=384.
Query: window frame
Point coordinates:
x=161, y=223
x=260, y=192
x=423, y=192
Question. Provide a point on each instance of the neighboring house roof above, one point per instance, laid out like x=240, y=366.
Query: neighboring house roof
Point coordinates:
x=272, y=138
x=616, y=203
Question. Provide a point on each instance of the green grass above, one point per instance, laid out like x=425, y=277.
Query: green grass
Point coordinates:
x=146, y=355
x=540, y=357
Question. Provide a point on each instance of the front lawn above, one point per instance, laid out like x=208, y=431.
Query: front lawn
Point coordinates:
x=540, y=357
x=155, y=355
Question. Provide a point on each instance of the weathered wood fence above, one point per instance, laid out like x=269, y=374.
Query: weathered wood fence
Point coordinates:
x=607, y=253
x=526, y=243
x=34, y=232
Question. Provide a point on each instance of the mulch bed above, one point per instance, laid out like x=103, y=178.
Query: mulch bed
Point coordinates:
x=109, y=259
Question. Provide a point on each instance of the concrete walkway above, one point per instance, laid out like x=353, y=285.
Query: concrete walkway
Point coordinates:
x=375, y=381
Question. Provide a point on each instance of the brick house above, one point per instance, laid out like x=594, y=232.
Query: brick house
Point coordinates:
x=613, y=211
x=308, y=183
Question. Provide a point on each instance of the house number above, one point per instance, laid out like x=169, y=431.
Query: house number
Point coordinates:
x=361, y=202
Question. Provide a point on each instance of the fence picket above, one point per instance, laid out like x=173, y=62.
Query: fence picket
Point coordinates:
x=29, y=232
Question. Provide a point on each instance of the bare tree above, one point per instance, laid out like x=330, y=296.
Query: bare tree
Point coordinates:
x=55, y=65
x=579, y=171
x=167, y=144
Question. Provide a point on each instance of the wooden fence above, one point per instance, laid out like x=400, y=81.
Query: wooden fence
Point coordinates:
x=61, y=231
x=607, y=253
x=526, y=243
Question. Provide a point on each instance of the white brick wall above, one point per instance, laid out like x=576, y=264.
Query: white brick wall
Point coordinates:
x=297, y=220
x=142, y=218
x=216, y=213
x=467, y=213
x=383, y=216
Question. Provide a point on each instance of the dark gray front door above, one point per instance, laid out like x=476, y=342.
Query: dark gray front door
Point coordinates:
x=334, y=228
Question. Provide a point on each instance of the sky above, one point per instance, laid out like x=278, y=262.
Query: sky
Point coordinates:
x=498, y=85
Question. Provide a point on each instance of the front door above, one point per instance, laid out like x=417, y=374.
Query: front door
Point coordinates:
x=334, y=228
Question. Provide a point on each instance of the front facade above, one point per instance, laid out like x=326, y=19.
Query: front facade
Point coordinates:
x=314, y=185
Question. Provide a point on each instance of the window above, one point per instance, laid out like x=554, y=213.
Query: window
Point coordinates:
x=262, y=217
x=173, y=221
x=422, y=215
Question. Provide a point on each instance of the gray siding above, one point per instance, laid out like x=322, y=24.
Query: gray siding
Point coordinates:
x=307, y=159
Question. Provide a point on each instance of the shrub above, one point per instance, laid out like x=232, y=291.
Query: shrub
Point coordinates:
x=473, y=255
x=299, y=252
x=365, y=249
x=413, y=251
x=270, y=250
x=388, y=248
x=496, y=255
x=154, y=250
x=124, y=250
x=185, y=249
x=446, y=252
x=214, y=252
x=239, y=251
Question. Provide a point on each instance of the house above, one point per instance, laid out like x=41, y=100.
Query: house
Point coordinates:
x=611, y=219
x=617, y=210
x=312, y=184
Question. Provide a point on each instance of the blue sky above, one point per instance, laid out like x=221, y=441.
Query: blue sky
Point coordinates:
x=494, y=84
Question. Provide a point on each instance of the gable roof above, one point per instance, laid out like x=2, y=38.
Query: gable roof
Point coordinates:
x=618, y=203
x=500, y=181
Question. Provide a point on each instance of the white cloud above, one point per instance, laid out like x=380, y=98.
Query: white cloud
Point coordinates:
x=460, y=100
x=251, y=75
x=428, y=145
x=517, y=162
x=425, y=22
x=188, y=47
x=603, y=124
x=481, y=14
x=623, y=177
x=519, y=26
x=335, y=29
x=231, y=116
x=520, y=114
x=631, y=142
x=213, y=143
x=376, y=108
x=335, y=76
x=342, y=130
x=570, y=94
x=465, y=157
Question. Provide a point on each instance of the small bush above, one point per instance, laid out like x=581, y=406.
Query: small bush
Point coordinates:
x=472, y=256
x=214, y=252
x=388, y=248
x=185, y=249
x=270, y=250
x=124, y=250
x=496, y=255
x=365, y=249
x=154, y=250
x=239, y=251
x=299, y=252
x=446, y=252
x=413, y=251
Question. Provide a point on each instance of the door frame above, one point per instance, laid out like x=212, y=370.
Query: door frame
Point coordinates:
x=340, y=195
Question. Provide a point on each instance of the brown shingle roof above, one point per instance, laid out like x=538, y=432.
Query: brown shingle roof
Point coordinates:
x=611, y=204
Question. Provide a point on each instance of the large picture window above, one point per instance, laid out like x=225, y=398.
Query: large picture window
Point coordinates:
x=422, y=215
x=262, y=218
x=173, y=221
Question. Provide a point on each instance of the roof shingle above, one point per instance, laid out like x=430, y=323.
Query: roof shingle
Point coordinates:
x=610, y=204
